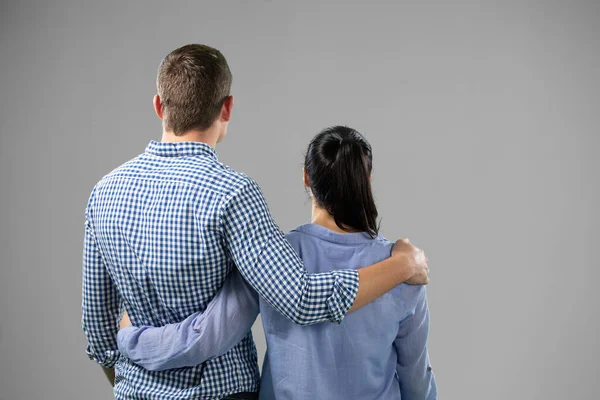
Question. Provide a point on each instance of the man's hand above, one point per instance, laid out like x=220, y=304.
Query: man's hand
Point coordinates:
x=407, y=264
x=125, y=321
x=415, y=257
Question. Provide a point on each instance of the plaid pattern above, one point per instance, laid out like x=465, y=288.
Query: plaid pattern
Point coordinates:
x=162, y=233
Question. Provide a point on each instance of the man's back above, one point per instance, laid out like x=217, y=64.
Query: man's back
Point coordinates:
x=156, y=222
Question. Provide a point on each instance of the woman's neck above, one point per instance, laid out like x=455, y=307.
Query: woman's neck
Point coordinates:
x=321, y=217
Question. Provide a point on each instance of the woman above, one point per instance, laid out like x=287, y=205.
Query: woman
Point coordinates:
x=377, y=352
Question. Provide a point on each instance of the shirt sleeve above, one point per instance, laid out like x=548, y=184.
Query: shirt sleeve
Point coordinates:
x=269, y=263
x=413, y=368
x=100, y=303
x=226, y=321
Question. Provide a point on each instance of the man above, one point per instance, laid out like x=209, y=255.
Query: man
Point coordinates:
x=164, y=230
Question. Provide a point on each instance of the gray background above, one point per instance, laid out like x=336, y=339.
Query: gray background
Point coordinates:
x=484, y=121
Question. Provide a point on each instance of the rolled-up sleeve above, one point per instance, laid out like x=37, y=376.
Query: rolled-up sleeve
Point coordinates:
x=100, y=304
x=269, y=263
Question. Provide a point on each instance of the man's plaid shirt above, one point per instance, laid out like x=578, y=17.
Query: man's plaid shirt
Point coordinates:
x=162, y=233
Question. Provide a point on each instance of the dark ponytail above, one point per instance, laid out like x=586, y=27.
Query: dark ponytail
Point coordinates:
x=338, y=164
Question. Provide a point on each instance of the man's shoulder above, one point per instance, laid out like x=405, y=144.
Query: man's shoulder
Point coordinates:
x=115, y=172
x=234, y=180
x=124, y=167
x=196, y=171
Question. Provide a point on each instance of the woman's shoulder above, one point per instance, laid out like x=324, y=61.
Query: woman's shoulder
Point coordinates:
x=383, y=241
x=296, y=234
x=300, y=239
x=408, y=294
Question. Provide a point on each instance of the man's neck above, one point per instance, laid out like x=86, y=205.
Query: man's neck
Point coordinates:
x=209, y=137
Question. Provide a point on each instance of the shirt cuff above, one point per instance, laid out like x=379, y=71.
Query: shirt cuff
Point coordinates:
x=107, y=359
x=345, y=289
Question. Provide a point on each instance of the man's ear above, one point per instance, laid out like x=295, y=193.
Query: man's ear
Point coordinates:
x=227, y=109
x=305, y=178
x=158, y=106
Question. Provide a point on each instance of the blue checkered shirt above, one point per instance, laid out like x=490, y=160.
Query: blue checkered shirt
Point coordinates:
x=162, y=232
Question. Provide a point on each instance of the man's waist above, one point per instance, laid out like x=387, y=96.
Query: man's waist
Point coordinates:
x=229, y=373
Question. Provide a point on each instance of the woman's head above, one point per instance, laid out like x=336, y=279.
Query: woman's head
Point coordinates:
x=338, y=167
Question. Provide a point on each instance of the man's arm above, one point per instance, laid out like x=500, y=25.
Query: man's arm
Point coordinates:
x=413, y=368
x=226, y=320
x=200, y=337
x=100, y=306
x=270, y=264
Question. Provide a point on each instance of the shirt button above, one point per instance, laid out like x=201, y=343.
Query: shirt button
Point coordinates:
x=428, y=369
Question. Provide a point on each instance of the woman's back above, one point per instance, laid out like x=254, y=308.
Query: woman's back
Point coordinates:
x=368, y=354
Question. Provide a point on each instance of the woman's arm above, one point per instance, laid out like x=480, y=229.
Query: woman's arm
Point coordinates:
x=413, y=368
x=200, y=337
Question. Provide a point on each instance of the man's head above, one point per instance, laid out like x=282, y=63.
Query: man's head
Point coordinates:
x=194, y=83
